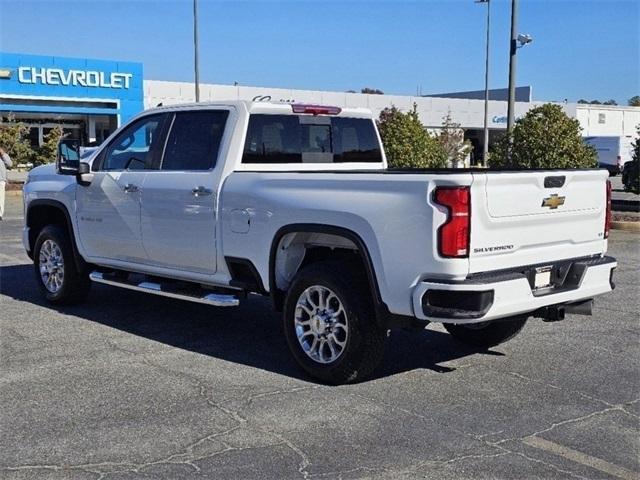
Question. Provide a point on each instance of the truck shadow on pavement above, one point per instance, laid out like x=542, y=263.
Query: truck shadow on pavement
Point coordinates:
x=250, y=334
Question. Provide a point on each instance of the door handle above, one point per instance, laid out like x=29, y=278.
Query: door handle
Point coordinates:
x=130, y=188
x=201, y=191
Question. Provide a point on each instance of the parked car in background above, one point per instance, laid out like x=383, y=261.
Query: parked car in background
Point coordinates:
x=613, y=152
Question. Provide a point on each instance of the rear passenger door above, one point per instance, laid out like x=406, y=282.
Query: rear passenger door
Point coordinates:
x=178, y=202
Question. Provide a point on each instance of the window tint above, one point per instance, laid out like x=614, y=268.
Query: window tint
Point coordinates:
x=295, y=139
x=355, y=140
x=273, y=139
x=131, y=149
x=194, y=140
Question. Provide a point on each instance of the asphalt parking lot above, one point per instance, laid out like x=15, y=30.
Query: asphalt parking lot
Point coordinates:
x=132, y=386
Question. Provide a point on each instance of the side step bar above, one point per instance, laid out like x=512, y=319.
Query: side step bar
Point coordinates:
x=195, y=295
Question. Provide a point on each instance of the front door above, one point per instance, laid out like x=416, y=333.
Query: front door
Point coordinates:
x=179, y=199
x=108, y=209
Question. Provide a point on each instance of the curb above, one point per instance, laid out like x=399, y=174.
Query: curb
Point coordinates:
x=626, y=226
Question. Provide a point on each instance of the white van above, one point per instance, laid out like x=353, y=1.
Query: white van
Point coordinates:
x=613, y=152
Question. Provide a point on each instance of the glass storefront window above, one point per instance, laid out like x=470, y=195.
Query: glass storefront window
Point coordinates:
x=34, y=136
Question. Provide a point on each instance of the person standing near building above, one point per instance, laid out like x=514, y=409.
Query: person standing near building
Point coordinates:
x=4, y=164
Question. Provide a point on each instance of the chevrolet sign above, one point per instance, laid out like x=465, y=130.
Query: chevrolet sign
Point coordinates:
x=82, y=78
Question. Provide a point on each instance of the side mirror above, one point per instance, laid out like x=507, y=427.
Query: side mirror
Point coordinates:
x=84, y=175
x=68, y=159
x=84, y=168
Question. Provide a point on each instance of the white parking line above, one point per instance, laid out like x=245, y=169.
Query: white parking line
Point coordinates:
x=581, y=458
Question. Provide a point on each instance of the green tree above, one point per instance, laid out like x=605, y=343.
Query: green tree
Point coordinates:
x=14, y=139
x=451, y=138
x=374, y=91
x=407, y=143
x=545, y=137
x=634, y=101
x=49, y=149
x=610, y=102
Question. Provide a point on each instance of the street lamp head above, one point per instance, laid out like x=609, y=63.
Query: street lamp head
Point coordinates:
x=524, y=39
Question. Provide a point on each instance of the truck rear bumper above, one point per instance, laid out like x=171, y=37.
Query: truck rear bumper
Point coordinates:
x=496, y=295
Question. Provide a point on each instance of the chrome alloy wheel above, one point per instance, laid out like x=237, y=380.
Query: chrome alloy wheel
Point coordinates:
x=51, y=265
x=321, y=324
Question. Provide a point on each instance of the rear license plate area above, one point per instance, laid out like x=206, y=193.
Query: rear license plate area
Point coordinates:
x=542, y=277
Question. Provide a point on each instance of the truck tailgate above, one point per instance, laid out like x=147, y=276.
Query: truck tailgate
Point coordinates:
x=529, y=218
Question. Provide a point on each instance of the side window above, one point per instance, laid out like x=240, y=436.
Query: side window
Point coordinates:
x=194, y=140
x=131, y=149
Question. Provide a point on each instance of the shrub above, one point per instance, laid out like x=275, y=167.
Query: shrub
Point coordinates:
x=407, y=143
x=544, y=138
x=15, y=141
x=451, y=138
x=48, y=151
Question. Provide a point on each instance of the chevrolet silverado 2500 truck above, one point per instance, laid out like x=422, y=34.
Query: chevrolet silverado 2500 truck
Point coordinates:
x=211, y=202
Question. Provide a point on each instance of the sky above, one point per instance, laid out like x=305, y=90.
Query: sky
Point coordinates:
x=581, y=49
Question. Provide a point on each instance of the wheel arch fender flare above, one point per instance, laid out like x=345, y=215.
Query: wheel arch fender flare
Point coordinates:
x=58, y=205
x=383, y=316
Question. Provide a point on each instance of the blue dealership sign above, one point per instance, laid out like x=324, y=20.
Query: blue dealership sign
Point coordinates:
x=47, y=84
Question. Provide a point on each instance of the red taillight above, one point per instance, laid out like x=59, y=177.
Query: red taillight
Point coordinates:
x=607, y=217
x=453, y=235
x=315, y=109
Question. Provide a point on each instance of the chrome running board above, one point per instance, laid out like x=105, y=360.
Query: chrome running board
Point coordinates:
x=197, y=295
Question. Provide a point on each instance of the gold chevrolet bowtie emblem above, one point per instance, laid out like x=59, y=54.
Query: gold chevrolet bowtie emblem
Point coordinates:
x=553, y=202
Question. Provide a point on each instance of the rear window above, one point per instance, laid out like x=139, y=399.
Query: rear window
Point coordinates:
x=307, y=139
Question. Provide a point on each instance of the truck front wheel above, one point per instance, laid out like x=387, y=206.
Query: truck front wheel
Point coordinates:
x=488, y=334
x=330, y=325
x=56, y=272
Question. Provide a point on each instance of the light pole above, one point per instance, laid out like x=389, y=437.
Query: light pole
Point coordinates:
x=195, y=49
x=485, y=145
x=516, y=41
x=512, y=65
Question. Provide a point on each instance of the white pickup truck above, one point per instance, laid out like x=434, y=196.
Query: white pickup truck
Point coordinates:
x=211, y=202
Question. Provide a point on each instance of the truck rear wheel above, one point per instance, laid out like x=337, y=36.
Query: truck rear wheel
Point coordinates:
x=330, y=325
x=488, y=334
x=56, y=272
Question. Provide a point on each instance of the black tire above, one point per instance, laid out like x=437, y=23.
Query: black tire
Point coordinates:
x=487, y=334
x=75, y=284
x=365, y=342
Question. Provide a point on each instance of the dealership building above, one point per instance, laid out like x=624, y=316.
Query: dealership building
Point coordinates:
x=90, y=98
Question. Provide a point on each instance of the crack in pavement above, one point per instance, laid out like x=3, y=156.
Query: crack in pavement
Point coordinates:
x=564, y=422
x=235, y=415
x=555, y=387
x=500, y=444
x=189, y=456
